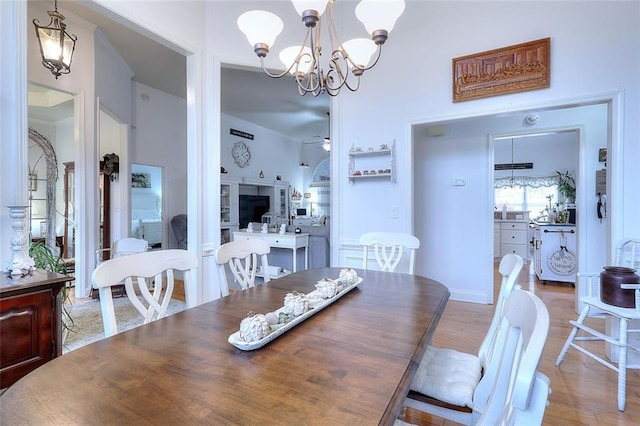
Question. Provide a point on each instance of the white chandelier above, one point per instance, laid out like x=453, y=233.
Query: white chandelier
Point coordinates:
x=347, y=61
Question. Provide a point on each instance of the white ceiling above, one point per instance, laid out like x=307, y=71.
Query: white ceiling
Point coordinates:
x=248, y=95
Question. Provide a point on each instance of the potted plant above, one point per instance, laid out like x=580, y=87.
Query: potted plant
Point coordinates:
x=567, y=186
x=46, y=258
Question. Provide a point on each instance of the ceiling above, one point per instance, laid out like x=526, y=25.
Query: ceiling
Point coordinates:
x=248, y=95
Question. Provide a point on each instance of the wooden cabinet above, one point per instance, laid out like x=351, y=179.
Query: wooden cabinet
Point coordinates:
x=30, y=323
x=69, y=211
x=497, y=246
x=372, y=162
x=514, y=238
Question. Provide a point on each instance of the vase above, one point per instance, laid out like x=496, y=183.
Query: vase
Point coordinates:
x=610, y=291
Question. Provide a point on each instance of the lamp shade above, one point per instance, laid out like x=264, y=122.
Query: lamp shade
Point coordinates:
x=289, y=55
x=317, y=5
x=360, y=50
x=379, y=14
x=55, y=46
x=260, y=26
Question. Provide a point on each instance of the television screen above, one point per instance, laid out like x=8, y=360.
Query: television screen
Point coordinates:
x=301, y=212
x=251, y=208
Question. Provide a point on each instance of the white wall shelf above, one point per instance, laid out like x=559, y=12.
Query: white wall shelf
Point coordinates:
x=372, y=162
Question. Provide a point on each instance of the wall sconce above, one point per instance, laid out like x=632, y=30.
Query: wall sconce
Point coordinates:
x=111, y=166
x=56, y=45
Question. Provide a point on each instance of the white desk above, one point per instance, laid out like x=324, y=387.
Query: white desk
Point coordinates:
x=288, y=240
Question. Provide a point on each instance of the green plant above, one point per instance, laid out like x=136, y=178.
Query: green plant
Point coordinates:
x=48, y=259
x=567, y=186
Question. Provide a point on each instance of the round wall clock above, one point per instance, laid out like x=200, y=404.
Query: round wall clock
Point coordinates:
x=240, y=153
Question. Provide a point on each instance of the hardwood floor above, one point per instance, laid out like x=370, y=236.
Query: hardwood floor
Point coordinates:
x=584, y=392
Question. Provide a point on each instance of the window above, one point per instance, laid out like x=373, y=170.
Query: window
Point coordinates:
x=526, y=198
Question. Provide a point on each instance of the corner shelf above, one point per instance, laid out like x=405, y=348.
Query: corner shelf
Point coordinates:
x=372, y=160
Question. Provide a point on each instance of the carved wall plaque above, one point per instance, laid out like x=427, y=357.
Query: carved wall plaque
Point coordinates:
x=500, y=71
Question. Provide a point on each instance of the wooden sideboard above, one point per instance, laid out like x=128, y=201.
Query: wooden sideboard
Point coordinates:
x=30, y=323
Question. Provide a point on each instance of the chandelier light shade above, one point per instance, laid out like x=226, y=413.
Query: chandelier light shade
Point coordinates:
x=345, y=63
x=56, y=45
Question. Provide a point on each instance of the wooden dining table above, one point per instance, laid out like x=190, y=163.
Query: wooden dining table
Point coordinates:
x=351, y=363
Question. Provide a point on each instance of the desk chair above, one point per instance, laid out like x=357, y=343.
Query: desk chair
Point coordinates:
x=241, y=257
x=511, y=388
x=451, y=376
x=388, y=248
x=137, y=271
x=618, y=320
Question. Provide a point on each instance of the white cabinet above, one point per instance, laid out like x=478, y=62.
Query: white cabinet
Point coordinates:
x=229, y=216
x=280, y=211
x=514, y=238
x=372, y=162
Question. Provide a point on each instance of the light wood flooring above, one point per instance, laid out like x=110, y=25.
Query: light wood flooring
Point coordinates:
x=584, y=392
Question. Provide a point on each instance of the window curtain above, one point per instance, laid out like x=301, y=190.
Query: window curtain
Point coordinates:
x=531, y=181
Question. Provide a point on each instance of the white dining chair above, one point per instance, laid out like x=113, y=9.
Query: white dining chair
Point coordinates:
x=511, y=386
x=241, y=257
x=137, y=271
x=122, y=247
x=388, y=249
x=463, y=369
x=621, y=324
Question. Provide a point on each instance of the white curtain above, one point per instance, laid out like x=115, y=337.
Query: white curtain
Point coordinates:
x=531, y=181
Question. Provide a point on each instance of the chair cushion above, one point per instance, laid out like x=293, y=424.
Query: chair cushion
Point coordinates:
x=448, y=375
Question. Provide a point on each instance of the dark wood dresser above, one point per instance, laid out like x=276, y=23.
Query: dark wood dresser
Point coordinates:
x=30, y=323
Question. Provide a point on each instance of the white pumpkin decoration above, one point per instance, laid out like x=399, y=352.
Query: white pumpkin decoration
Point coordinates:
x=295, y=304
x=272, y=318
x=348, y=276
x=254, y=327
x=327, y=288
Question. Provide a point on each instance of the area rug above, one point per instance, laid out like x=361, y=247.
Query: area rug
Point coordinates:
x=87, y=320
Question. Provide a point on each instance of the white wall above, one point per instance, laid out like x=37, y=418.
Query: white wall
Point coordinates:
x=160, y=139
x=272, y=153
x=398, y=97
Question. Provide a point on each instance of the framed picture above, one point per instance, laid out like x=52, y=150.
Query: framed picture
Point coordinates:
x=140, y=180
x=510, y=69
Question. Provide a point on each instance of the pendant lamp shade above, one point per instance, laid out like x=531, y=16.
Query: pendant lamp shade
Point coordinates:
x=317, y=5
x=379, y=14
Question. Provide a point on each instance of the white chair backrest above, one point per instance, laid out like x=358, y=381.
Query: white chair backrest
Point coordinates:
x=510, y=377
x=628, y=253
x=510, y=267
x=127, y=246
x=388, y=249
x=136, y=270
x=242, y=259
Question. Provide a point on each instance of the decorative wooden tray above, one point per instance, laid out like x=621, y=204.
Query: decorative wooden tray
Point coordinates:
x=316, y=304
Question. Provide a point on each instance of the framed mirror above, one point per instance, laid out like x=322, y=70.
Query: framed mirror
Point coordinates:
x=146, y=204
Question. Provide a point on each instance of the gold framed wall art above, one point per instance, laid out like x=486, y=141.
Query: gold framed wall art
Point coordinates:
x=509, y=69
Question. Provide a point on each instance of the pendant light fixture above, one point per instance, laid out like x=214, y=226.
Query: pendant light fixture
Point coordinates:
x=512, y=182
x=344, y=63
x=56, y=45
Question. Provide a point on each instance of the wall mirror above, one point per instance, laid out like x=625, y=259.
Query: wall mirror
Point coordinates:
x=146, y=204
x=51, y=129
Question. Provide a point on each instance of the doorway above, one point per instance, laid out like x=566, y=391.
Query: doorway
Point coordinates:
x=453, y=173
